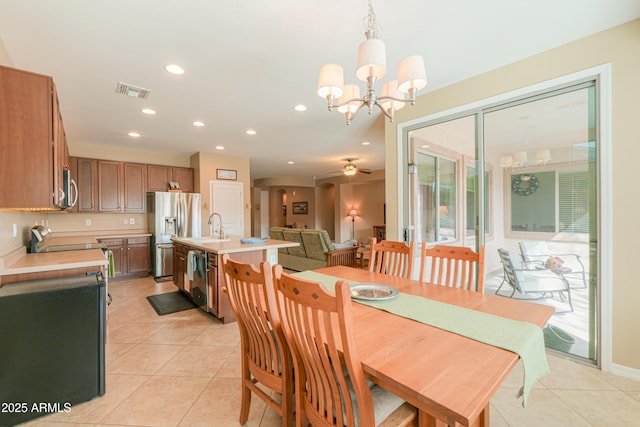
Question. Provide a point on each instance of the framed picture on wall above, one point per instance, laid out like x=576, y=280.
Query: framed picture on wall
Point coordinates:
x=300, y=208
x=227, y=174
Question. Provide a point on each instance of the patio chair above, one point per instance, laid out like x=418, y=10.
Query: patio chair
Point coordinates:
x=392, y=258
x=266, y=358
x=536, y=254
x=331, y=386
x=453, y=266
x=542, y=282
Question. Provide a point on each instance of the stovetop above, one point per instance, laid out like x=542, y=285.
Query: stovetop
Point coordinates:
x=72, y=247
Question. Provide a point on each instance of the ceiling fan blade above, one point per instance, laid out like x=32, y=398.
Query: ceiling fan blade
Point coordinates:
x=363, y=170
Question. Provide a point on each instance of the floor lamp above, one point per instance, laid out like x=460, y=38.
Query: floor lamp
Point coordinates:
x=353, y=213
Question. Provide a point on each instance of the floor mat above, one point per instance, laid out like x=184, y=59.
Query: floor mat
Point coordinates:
x=170, y=303
x=163, y=279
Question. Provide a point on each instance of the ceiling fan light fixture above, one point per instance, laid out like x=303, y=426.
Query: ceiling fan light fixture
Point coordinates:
x=349, y=169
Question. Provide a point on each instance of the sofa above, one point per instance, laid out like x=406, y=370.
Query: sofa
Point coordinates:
x=315, y=251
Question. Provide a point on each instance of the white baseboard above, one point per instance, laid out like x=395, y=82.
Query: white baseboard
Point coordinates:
x=625, y=371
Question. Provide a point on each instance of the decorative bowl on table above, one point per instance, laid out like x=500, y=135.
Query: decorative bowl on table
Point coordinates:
x=253, y=240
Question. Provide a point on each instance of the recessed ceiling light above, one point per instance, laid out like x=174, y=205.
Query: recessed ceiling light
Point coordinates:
x=174, y=69
x=290, y=162
x=219, y=147
x=198, y=123
x=366, y=143
x=300, y=107
x=251, y=132
x=134, y=134
x=148, y=111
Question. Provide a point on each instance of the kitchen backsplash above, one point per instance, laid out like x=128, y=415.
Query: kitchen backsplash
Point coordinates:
x=87, y=224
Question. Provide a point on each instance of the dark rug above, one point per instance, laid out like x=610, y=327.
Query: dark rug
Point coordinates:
x=170, y=303
x=163, y=279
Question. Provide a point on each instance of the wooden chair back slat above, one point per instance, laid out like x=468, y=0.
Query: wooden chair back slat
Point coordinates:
x=391, y=257
x=266, y=358
x=326, y=362
x=453, y=266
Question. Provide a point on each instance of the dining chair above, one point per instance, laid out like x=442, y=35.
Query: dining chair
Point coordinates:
x=453, y=266
x=391, y=257
x=330, y=383
x=266, y=358
x=544, y=283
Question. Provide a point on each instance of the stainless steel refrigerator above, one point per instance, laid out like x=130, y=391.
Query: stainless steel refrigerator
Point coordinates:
x=170, y=215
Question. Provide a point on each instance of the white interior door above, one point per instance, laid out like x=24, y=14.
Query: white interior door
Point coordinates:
x=227, y=199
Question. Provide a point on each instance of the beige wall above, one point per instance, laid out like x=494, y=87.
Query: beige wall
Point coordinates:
x=205, y=165
x=620, y=47
x=108, y=152
x=4, y=56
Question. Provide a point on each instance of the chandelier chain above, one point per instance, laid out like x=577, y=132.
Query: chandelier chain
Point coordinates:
x=372, y=29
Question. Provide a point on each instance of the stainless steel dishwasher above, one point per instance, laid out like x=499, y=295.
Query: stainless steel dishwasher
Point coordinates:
x=198, y=277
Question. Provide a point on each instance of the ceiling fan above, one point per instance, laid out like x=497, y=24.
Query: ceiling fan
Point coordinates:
x=350, y=168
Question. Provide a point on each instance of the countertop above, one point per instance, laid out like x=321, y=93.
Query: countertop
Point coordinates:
x=233, y=245
x=50, y=261
x=20, y=262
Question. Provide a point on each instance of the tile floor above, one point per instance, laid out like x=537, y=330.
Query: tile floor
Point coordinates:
x=183, y=369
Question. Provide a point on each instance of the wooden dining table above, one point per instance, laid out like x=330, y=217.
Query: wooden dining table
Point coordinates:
x=448, y=377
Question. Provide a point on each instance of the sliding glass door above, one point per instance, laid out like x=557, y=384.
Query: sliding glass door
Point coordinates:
x=519, y=175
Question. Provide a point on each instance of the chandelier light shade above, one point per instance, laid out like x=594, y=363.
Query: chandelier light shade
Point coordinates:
x=371, y=67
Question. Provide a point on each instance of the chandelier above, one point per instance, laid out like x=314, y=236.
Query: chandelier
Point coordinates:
x=371, y=67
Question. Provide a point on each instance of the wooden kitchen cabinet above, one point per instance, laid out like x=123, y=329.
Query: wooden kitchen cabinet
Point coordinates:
x=130, y=256
x=32, y=141
x=121, y=186
x=158, y=178
x=85, y=172
x=109, y=179
x=119, y=255
x=180, y=266
x=135, y=187
x=138, y=254
x=184, y=177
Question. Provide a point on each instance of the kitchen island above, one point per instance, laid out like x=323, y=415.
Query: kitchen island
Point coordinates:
x=204, y=283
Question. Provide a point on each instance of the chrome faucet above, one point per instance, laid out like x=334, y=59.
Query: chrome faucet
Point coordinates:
x=211, y=228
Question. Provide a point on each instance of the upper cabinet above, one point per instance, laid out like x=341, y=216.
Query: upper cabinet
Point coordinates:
x=86, y=173
x=159, y=177
x=121, y=186
x=33, y=145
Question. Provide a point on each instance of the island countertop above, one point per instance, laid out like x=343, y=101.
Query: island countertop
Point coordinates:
x=231, y=245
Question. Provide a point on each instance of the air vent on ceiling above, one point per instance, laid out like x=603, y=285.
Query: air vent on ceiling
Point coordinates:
x=133, y=91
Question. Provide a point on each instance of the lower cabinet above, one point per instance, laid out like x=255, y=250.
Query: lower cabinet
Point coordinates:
x=180, y=267
x=130, y=256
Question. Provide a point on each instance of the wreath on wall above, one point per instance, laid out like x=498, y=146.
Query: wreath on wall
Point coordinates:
x=525, y=184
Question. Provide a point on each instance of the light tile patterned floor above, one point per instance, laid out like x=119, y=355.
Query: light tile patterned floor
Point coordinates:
x=183, y=369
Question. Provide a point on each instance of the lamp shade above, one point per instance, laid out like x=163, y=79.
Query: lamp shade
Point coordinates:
x=506, y=161
x=331, y=81
x=543, y=156
x=353, y=213
x=350, y=92
x=520, y=159
x=411, y=73
x=390, y=88
x=372, y=59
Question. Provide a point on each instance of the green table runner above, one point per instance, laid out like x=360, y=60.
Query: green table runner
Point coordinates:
x=522, y=338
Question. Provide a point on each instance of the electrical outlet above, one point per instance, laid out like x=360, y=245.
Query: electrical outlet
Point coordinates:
x=87, y=222
x=132, y=221
x=15, y=230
